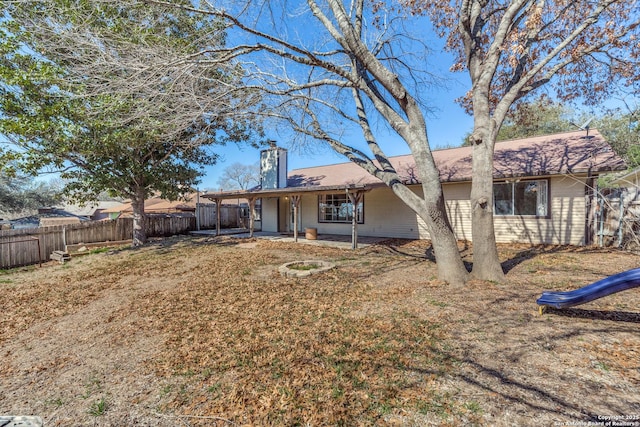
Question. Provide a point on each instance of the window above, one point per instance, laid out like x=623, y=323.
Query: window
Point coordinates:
x=338, y=208
x=521, y=198
x=244, y=210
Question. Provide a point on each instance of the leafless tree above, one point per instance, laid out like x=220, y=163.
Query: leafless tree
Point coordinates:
x=512, y=49
x=240, y=176
x=331, y=68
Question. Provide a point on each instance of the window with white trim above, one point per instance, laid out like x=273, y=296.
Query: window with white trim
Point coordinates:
x=528, y=198
x=338, y=208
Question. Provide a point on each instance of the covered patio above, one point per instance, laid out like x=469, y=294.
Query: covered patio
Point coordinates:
x=354, y=193
x=333, y=240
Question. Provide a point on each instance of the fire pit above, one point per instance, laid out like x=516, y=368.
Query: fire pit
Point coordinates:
x=304, y=268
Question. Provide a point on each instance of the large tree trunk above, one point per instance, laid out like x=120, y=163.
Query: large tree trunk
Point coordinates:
x=139, y=219
x=445, y=245
x=486, y=263
x=431, y=208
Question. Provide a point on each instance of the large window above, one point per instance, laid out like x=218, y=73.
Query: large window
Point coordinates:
x=521, y=198
x=338, y=208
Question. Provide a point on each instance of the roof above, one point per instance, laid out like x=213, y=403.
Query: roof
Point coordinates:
x=48, y=216
x=631, y=178
x=557, y=154
x=90, y=208
x=158, y=205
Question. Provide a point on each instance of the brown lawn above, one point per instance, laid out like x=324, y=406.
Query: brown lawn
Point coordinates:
x=202, y=331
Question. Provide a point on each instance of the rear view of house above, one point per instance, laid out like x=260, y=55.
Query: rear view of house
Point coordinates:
x=544, y=193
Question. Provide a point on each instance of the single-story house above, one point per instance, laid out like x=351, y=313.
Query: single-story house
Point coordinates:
x=94, y=211
x=544, y=192
x=47, y=217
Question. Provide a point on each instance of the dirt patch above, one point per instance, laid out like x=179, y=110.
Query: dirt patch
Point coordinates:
x=206, y=332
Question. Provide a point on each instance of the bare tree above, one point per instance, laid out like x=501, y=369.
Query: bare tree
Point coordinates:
x=240, y=176
x=330, y=68
x=512, y=49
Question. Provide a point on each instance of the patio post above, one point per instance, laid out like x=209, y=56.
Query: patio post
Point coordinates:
x=252, y=206
x=354, y=198
x=217, y=201
x=295, y=201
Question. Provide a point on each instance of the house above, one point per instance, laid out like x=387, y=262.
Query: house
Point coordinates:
x=46, y=217
x=94, y=211
x=544, y=192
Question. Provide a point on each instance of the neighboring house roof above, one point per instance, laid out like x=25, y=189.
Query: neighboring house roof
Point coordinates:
x=629, y=179
x=158, y=205
x=89, y=209
x=126, y=206
x=47, y=217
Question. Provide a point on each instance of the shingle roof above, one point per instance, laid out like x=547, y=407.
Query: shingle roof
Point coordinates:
x=569, y=152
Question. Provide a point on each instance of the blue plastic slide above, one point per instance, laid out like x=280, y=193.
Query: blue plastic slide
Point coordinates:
x=607, y=286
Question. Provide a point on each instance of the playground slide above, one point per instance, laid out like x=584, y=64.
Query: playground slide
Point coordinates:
x=607, y=286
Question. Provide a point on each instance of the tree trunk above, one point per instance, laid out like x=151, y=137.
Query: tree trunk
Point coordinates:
x=432, y=210
x=449, y=263
x=139, y=219
x=486, y=263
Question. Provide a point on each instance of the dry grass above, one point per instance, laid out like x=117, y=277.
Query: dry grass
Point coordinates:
x=206, y=332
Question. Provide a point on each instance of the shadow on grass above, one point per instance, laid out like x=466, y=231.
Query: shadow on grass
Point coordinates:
x=616, y=316
x=534, y=251
x=494, y=381
x=529, y=254
x=397, y=247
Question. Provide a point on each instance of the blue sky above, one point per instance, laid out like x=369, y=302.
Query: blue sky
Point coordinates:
x=447, y=123
x=446, y=127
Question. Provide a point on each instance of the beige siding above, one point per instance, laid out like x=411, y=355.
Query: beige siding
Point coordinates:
x=459, y=208
x=565, y=224
x=385, y=215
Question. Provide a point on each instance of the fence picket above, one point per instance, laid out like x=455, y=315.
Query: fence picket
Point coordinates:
x=20, y=247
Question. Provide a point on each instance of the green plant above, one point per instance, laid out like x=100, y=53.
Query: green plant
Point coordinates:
x=94, y=384
x=214, y=388
x=438, y=303
x=57, y=402
x=99, y=250
x=98, y=408
x=473, y=407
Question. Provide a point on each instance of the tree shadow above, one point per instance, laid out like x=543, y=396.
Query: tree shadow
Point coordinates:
x=529, y=254
x=616, y=316
x=299, y=180
x=399, y=247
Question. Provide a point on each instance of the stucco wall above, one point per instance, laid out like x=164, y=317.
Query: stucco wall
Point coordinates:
x=386, y=216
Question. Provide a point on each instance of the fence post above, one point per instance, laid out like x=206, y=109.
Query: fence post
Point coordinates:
x=39, y=254
x=621, y=221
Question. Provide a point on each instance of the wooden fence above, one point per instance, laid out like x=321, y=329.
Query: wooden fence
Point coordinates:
x=32, y=245
x=207, y=212
x=619, y=218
